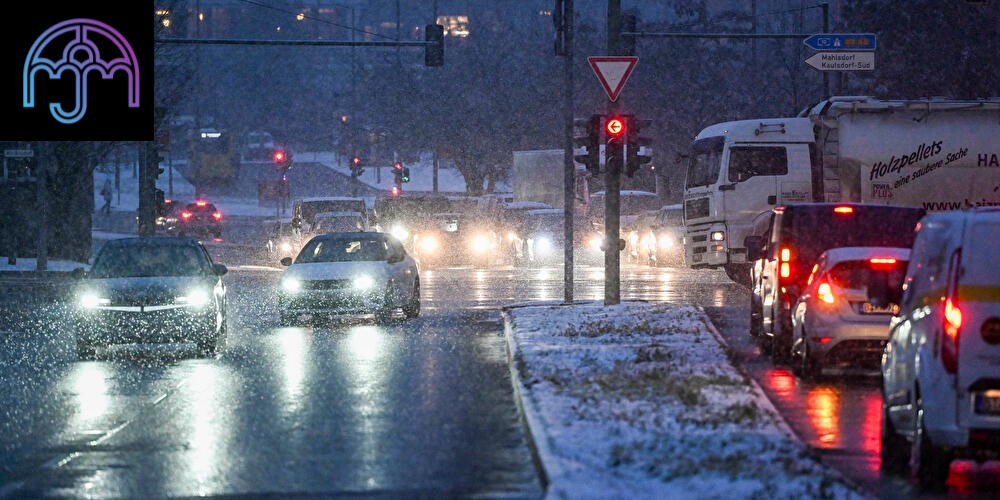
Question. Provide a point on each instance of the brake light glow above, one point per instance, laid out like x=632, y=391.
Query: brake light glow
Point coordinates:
x=186, y=215
x=843, y=210
x=825, y=292
x=785, y=268
x=949, y=343
x=217, y=215
x=882, y=262
x=201, y=203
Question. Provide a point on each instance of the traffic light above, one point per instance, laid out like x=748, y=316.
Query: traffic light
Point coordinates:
x=590, y=141
x=616, y=128
x=406, y=174
x=282, y=160
x=397, y=171
x=160, y=157
x=434, y=53
x=356, y=167
x=636, y=151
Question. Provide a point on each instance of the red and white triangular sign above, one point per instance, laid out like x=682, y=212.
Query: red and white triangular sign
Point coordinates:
x=612, y=71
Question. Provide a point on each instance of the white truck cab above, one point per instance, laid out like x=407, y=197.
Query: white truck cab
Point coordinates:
x=737, y=172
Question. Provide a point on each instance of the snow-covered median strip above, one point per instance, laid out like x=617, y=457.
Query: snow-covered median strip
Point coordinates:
x=640, y=400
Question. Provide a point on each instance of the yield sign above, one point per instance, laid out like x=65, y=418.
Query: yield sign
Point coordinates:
x=612, y=71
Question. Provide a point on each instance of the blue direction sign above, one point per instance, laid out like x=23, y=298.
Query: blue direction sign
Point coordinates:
x=841, y=41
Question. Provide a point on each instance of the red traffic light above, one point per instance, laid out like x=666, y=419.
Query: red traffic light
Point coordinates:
x=615, y=126
x=356, y=161
x=279, y=156
x=397, y=166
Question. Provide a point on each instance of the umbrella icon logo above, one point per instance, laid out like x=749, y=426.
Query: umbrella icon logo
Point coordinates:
x=80, y=57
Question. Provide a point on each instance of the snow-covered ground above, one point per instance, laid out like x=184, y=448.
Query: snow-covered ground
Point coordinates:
x=639, y=400
x=630, y=401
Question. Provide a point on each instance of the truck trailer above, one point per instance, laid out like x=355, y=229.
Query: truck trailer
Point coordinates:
x=937, y=154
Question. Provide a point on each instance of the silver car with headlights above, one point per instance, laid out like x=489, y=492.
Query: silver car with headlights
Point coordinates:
x=353, y=273
x=150, y=290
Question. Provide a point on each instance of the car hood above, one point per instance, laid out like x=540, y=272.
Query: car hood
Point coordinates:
x=335, y=270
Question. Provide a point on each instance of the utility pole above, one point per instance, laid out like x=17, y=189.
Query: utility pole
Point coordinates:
x=564, y=47
x=612, y=179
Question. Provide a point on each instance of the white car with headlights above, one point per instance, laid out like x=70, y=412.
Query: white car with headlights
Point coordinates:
x=150, y=290
x=349, y=274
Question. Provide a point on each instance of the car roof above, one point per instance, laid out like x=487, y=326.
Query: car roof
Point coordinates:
x=339, y=213
x=841, y=254
x=153, y=240
x=353, y=234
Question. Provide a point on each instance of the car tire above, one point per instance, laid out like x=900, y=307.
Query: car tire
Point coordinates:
x=809, y=366
x=384, y=312
x=412, y=310
x=895, y=452
x=85, y=351
x=929, y=463
x=781, y=342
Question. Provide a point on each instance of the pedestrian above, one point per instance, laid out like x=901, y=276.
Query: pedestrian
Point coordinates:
x=106, y=194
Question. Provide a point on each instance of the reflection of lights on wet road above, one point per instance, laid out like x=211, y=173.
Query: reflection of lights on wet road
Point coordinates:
x=782, y=382
x=822, y=408
x=209, y=421
x=366, y=355
x=90, y=387
x=293, y=346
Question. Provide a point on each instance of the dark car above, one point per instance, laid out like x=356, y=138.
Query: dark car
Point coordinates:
x=150, y=290
x=199, y=219
x=797, y=235
x=168, y=212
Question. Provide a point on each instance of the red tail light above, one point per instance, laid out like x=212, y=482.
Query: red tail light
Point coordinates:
x=952, y=320
x=882, y=262
x=843, y=209
x=185, y=215
x=949, y=343
x=201, y=203
x=217, y=215
x=825, y=292
x=783, y=266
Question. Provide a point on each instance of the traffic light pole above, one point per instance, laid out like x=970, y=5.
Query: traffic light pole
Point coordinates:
x=612, y=179
x=569, y=167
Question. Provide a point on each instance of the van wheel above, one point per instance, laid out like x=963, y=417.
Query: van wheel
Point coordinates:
x=895, y=451
x=781, y=342
x=929, y=463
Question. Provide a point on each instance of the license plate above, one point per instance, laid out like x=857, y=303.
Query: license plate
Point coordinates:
x=869, y=308
x=987, y=403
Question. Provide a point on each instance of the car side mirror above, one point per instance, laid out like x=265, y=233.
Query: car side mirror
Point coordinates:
x=286, y=261
x=220, y=269
x=78, y=273
x=755, y=246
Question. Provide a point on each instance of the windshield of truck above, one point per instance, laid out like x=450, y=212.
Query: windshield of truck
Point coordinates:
x=705, y=163
x=746, y=162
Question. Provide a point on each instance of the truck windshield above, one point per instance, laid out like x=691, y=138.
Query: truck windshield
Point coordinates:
x=705, y=163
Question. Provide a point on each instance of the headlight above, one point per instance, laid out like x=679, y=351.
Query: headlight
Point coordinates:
x=543, y=245
x=364, y=282
x=428, y=244
x=400, y=233
x=286, y=246
x=197, y=297
x=596, y=242
x=717, y=235
x=666, y=241
x=481, y=243
x=291, y=284
x=91, y=300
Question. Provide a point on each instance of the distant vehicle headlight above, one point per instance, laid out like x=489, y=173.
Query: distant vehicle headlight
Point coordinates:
x=286, y=246
x=400, y=233
x=666, y=241
x=596, y=242
x=543, y=245
x=364, y=282
x=91, y=300
x=198, y=297
x=429, y=244
x=481, y=243
x=291, y=284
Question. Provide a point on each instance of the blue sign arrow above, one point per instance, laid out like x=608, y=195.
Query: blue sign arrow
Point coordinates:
x=841, y=41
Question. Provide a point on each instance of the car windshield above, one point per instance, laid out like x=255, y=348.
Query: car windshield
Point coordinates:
x=342, y=250
x=127, y=261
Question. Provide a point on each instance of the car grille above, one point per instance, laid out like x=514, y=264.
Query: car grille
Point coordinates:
x=326, y=284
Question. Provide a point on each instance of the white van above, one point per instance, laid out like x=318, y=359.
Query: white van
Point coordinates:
x=941, y=367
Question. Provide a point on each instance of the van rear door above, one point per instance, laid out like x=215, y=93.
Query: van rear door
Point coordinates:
x=977, y=298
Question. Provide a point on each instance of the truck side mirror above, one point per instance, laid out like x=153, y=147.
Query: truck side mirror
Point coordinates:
x=755, y=246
